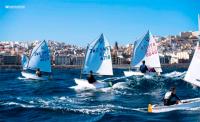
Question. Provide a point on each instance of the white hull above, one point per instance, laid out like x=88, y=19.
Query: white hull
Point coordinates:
x=185, y=105
x=136, y=73
x=82, y=83
x=131, y=73
x=33, y=76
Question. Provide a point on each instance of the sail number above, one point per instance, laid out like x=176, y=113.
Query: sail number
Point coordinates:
x=44, y=55
x=103, y=52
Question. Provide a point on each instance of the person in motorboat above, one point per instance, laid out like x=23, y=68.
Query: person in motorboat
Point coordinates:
x=38, y=73
x=91, y=78
x=171, y=98
x=143, y=67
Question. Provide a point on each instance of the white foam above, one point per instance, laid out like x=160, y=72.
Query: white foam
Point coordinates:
x=68, y=104
x=18, y=104
x=121, y=85
x=194, y=109
x=174, y=74
x=148, y=76
x=21, y=78
x=62, y=98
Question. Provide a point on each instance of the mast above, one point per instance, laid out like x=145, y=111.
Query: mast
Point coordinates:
x=132, y=54
x=84, y=61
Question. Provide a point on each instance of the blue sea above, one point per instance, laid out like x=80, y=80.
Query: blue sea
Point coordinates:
x=38, y=101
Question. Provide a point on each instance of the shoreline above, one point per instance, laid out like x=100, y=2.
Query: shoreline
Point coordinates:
x=123, y=66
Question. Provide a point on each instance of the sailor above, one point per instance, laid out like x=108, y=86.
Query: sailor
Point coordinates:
x=38, y=73
x=152, y=70
x=171, y=98
x=91, y=78
x=143, y=67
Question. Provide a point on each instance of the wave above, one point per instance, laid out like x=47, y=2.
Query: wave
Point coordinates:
x=138, y=85
x=151, y=81
x=21, y=78
x=65, y=104
x=174, y=74
x=62, y=103
x=121, y=85
x=17, y=104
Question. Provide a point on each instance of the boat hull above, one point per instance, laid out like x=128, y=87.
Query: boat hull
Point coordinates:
x=185, y=104
x=136, y=73
x=97, y=85
x=33, y=76
x=132, y=73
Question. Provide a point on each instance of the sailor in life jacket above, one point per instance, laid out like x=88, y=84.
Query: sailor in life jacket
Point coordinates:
x=143, y=67
x=38, y=73
x=91, y=78
x=152, y=69
x=171, y=98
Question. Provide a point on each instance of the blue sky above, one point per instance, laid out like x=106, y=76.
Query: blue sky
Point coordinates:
x=81, y=21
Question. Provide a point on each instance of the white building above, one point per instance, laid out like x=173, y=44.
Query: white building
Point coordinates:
x=78, y=60
x=62, y=60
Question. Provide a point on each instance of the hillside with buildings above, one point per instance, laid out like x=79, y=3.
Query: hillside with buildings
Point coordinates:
x=172, y=49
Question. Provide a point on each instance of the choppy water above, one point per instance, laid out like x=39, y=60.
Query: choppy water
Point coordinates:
x=26, y=100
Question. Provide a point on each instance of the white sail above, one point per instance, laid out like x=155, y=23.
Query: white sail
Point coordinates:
x=40, y=58
x=24, y=61
x=193, y=74
x=98, y=57
x=146, y=49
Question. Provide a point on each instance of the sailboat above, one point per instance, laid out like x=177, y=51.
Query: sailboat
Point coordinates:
x=145, y=49
x=39, y=59
x=98, y=60
x=192, y=76
x=24, y=60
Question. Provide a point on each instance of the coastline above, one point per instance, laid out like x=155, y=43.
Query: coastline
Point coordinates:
x=123, y=66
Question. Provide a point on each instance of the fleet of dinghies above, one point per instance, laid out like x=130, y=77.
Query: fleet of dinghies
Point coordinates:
x=145, y=49
x=98, y=60
x=39, y=59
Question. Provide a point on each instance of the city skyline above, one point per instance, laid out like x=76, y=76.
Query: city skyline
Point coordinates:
x=79, y=22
